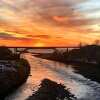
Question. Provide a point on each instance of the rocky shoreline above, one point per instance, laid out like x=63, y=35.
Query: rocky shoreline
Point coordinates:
x=50, y=90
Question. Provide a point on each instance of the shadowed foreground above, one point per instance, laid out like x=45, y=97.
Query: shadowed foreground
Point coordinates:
x=50, y=90
x=14, y=71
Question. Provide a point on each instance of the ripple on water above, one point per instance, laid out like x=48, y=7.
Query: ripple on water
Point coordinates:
x=83, y=88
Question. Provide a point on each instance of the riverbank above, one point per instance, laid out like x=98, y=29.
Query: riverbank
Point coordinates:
x=14, y=71
x=13, y=76
x=88, y=70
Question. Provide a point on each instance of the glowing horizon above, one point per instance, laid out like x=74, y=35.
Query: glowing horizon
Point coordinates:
x=49, y=22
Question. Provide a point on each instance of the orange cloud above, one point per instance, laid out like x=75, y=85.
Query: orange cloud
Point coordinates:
x=60, y=18
x=53, y=22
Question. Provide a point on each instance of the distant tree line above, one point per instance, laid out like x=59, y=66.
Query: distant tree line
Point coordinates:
x=6, y=54
x=88, y=53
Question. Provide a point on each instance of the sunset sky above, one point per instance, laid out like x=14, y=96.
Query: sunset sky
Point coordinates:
x=49, y=22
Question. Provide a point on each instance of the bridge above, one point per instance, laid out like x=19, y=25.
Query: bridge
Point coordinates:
x=18, y=49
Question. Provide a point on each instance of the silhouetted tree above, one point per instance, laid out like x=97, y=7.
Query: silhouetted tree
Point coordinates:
x=5, y=53
x=97, y=42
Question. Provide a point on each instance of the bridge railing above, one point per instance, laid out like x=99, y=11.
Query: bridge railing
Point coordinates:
x=25, y=49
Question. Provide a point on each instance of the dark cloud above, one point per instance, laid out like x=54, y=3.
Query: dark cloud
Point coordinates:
x=11, y=37
x=5, y=35
x=43, y=37
x=43, y=11
x=47, y=9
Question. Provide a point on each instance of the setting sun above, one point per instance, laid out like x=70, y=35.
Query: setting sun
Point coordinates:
x=39, y=44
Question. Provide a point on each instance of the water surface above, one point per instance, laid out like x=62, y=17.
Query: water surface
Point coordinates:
x=81, y=87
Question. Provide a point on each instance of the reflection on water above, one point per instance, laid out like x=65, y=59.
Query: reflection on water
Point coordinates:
x=83, y=88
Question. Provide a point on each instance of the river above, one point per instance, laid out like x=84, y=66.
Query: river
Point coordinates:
x=81, y=87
